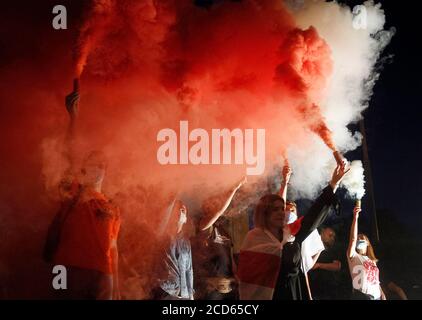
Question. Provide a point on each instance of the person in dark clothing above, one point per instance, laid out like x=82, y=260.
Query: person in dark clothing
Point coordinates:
x=391, y=289
x=291, y=279
x=279, y=244
x=219, y=265
x=324, y=276
x=313, y=245
x=212, y=250
x=362, y=262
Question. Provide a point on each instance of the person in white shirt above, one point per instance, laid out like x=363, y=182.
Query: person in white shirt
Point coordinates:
x=363, y=264
x=312, y=246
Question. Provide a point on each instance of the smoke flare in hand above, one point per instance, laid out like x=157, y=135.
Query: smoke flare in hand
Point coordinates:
x=354, y=181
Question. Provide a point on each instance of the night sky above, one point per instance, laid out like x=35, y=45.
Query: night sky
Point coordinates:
x=392, y=121
x=392, y=128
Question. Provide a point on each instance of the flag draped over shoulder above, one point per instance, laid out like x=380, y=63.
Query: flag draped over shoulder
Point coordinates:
x=259, y=263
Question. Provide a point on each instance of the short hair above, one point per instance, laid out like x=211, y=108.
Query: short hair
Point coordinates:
x=264, y=208
x=325, y=227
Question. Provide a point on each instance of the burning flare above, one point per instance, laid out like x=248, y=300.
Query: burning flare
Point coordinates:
x=354, y=181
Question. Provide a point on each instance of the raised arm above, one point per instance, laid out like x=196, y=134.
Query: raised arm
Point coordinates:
x=216, y=208
x=320, y=209
x=353, y=232
x=115, y=259
x=72, y=105
x=286, y=174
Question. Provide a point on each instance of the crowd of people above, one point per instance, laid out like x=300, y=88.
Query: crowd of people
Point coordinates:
x=285, y=256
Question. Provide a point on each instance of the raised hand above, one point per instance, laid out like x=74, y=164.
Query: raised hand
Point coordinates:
x=340, y=171
x=357, y=210
x=72, y=103
x=286, y=173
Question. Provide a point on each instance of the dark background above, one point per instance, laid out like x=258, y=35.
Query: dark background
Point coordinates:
x=392, y=130
x=392, y=126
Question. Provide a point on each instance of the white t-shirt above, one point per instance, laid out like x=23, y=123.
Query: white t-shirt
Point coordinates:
x=310, y=247
x=365, y=275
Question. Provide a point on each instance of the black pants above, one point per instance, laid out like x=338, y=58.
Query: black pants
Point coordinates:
x=357, y=295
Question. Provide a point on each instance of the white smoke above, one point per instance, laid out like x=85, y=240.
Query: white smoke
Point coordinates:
x=354, y=181
x=356, y=43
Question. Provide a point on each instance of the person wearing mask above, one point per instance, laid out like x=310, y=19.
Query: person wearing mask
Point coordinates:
x=363, y=264
x=270, y=262
x=312, y=246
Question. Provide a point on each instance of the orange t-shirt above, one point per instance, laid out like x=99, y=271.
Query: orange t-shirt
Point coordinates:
x=88, y=234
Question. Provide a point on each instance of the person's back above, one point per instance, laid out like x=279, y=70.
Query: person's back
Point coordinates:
x=88, y=234
x=83, y=235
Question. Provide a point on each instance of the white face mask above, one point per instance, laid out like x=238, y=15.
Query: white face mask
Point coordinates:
x=183, y=218
x=361, y=245
x=290, y=217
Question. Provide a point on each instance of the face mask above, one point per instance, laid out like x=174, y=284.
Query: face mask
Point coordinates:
x=361, y=245
x=290, y=217
x=183, y=218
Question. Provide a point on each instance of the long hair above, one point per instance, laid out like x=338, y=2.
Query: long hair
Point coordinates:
x=370, y=249
x=264, y=208
x=170, y=218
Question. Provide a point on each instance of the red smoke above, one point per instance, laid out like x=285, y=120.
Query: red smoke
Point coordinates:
x=93, y=27
x=305, y=68
x=146, y=65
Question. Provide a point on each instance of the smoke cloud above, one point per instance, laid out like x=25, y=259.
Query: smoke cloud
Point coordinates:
x=301, y=71
x=354, y=181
